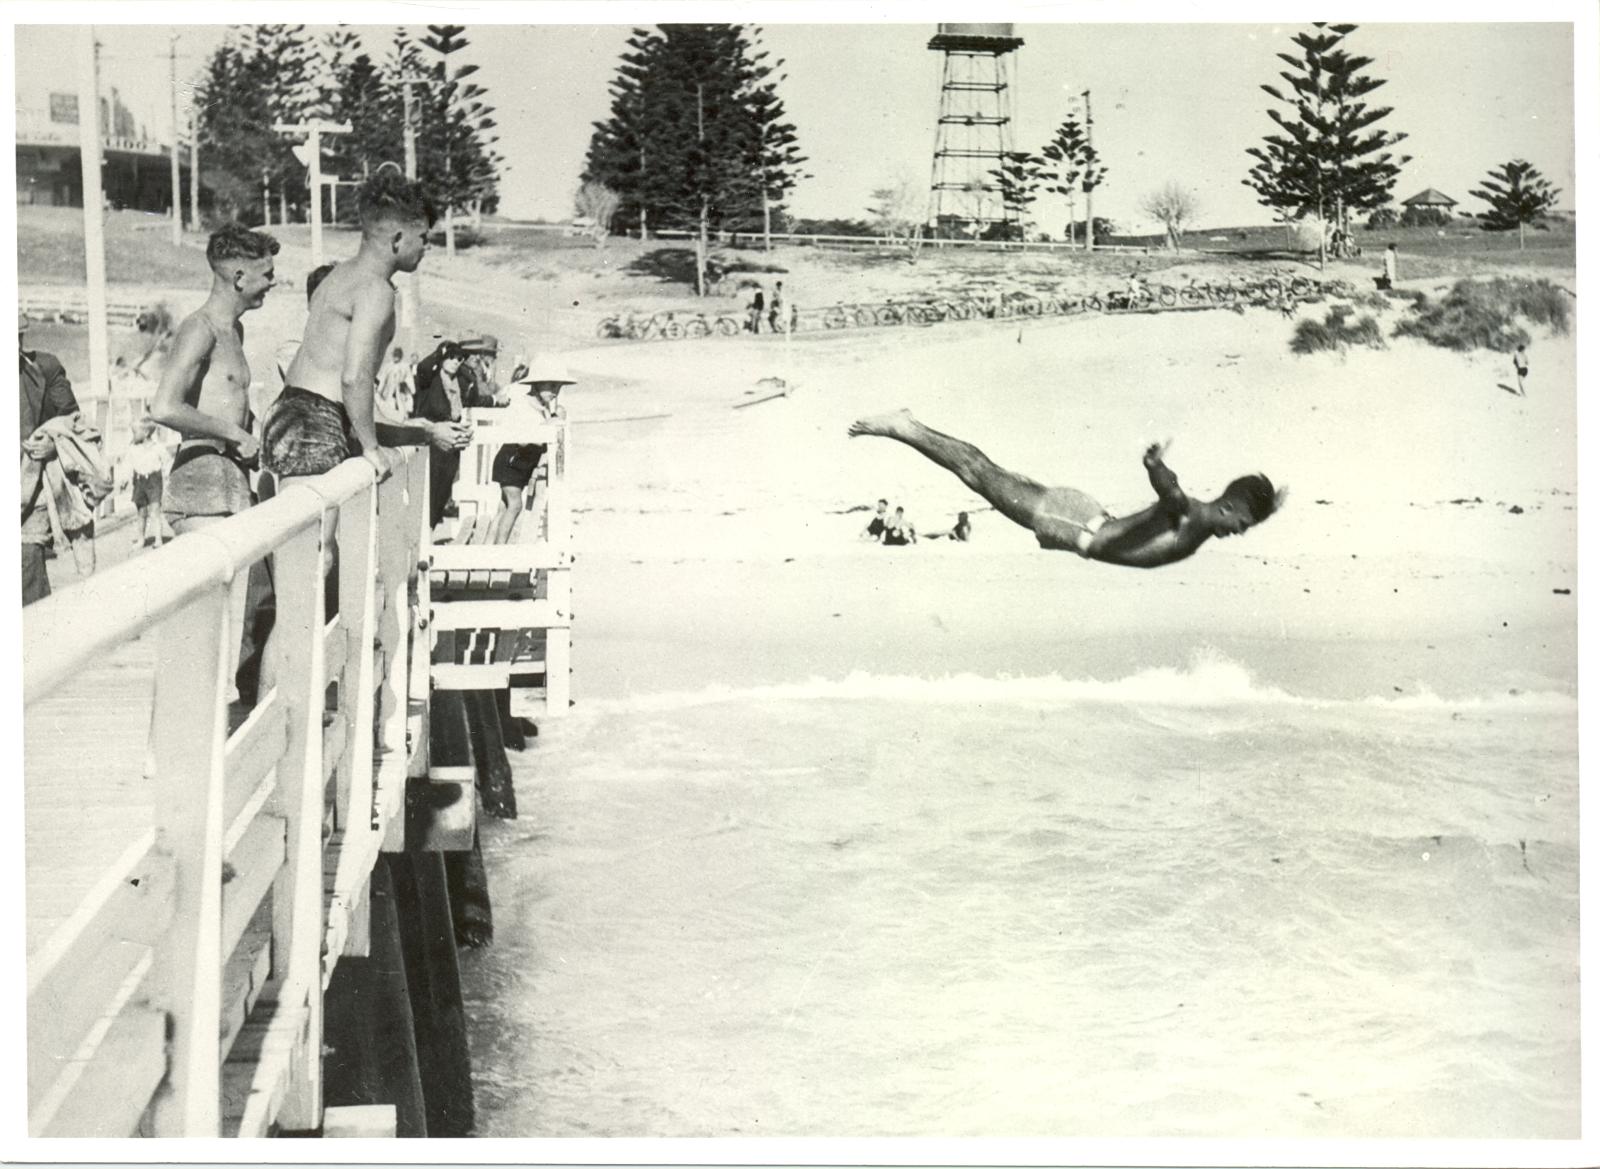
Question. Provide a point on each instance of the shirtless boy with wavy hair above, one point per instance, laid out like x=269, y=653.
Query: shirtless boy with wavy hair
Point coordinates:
x=325, y=413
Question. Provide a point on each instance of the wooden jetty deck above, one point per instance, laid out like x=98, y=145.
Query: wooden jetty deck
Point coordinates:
x=195, y=870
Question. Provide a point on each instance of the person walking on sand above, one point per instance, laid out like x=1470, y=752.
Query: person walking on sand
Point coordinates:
x=1519, y=361
x=1065, y=519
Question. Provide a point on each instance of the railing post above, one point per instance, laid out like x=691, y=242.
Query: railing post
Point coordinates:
x=187, y=740
x=297, y=903
x=398, y=553
x=358, y=563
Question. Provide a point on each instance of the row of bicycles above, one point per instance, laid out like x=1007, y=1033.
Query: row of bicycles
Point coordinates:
x=1272, y=291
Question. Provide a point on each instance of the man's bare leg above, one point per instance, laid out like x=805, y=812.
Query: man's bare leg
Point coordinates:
x=1014, y=496
x=506, y=521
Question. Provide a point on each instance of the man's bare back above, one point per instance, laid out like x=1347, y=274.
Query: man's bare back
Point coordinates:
x=320, y=364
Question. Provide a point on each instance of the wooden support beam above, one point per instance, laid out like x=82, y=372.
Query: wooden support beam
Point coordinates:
x=298, y=925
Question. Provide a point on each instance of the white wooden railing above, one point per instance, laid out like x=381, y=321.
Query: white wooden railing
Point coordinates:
x=216, y=921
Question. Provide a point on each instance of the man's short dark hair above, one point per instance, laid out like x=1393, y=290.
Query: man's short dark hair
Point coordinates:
x=389, y=195
x=315, y=278
x=1257, y=494
x=235, y=241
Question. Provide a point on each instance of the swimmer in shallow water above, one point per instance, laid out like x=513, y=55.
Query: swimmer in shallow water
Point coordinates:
x=1065, y=519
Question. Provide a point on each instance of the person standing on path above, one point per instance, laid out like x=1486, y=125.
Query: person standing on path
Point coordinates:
x=1391, y=268
x=1519, y=361
x=775, y=318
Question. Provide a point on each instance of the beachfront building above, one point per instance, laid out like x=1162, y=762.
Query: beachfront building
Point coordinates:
x=136, y=170
x=1431, y=199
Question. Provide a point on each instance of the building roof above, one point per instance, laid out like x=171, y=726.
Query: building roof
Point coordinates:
x=1430, y=198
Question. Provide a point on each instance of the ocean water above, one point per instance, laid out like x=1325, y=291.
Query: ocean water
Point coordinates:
x=1177, y=904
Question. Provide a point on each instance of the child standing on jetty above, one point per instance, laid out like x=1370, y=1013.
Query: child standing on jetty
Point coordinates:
x=142, y=465
x=1067, y=520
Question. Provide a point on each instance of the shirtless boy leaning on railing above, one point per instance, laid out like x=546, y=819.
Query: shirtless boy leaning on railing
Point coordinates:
x=325, y=413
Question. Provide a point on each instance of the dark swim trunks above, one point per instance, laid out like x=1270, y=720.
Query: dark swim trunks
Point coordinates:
x=515, y=464
x=306, y=434
x=204, y=481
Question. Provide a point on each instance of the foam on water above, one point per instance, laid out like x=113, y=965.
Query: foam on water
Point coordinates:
x=1177, y=903
x=1210, y=680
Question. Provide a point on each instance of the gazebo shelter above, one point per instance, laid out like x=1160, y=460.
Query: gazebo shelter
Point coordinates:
x=1431, y=198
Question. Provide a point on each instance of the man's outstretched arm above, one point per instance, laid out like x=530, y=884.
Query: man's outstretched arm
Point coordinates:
x=1173, y=500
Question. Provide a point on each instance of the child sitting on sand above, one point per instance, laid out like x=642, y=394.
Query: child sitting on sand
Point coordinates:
x=1064, y=519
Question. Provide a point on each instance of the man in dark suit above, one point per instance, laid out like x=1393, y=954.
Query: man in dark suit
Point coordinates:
x=43, y=393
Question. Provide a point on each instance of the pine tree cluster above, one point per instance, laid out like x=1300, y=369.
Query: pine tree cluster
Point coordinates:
x=697, y=137
x=265, y=74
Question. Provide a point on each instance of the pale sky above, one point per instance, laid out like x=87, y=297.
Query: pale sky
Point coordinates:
x=1171, y=101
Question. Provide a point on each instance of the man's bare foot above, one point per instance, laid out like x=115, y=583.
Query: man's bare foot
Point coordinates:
x=891, y=425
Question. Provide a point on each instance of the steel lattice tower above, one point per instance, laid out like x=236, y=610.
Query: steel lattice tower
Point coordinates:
x=974, y=134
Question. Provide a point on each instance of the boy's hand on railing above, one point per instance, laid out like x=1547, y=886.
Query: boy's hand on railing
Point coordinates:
x=382, y=461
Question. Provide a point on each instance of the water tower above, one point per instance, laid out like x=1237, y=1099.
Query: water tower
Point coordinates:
x=974, y=127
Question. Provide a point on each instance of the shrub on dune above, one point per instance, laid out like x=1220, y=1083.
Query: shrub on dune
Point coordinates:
x=1484, y=314
x=1335, y=332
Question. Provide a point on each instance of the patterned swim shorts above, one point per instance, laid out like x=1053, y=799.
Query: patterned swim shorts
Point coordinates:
x=306, y=434
x=204, y=481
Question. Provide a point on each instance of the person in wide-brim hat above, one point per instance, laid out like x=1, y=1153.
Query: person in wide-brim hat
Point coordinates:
x=516, y=464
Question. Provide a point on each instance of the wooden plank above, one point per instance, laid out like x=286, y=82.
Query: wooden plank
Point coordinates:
x=362, y=1121
x=245, y=976
x=64, y=1015
x=452, y=615
x=116, y=1082
x=251, y=756
x=255, y=1078
x=558, y=672
x=334, y=648
x=335, y=737
x=509, y=557
x=188, y=740
x=490, y=676
x=297, y=902
x=255, y=862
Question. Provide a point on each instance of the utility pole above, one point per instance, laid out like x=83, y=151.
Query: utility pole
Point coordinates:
x=177, y=184
x=194, y=168
x=94, y=242
x=266, y=200
x=313, y=132
x=411, y=132
x=411, y=302
x=1088, y=195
